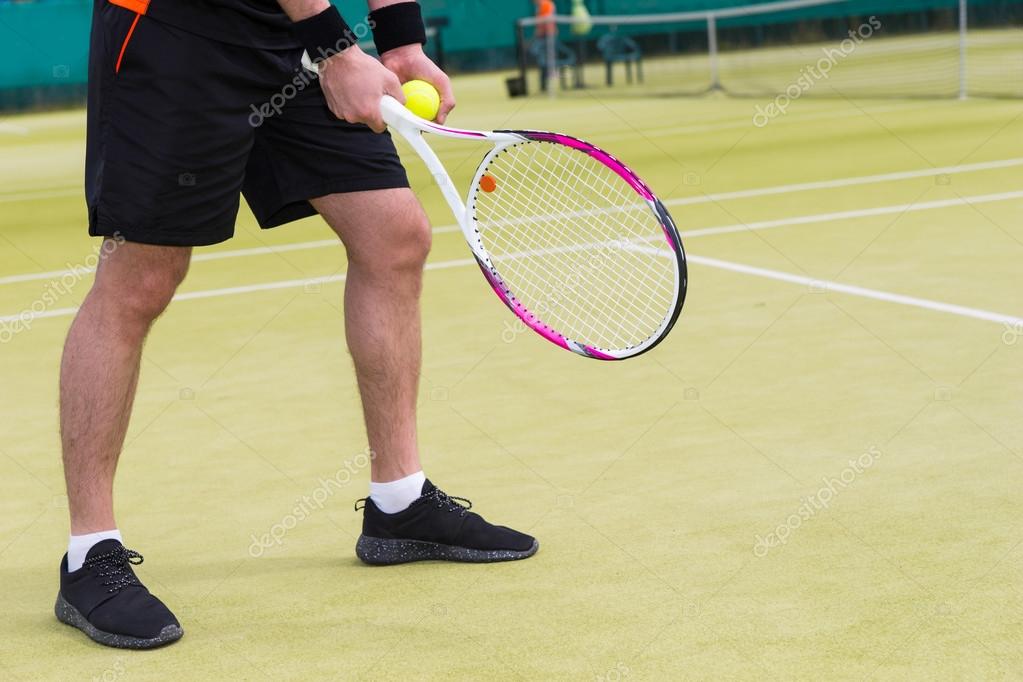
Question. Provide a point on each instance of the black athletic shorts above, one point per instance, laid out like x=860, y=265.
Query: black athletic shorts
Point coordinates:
x=179, y=125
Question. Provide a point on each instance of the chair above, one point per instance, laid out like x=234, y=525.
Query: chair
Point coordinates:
x=564, y=58
x=618, y=48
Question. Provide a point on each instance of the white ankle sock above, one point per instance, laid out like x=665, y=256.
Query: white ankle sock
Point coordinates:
x=79, y=546
x=395, y=496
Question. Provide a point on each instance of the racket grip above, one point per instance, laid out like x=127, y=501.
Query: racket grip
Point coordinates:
x=395, y=114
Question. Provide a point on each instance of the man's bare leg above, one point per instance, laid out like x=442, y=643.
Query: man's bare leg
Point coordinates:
x=387, y=237
x=100, y=369
x=99, y=593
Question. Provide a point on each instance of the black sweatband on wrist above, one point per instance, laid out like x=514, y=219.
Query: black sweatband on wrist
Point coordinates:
x=397, y=25
x=325, y=34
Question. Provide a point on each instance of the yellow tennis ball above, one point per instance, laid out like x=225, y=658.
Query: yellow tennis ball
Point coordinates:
x=422, y=99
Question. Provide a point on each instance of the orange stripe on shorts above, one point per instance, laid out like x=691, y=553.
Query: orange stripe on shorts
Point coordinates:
x=124, y=45
x=137, y=6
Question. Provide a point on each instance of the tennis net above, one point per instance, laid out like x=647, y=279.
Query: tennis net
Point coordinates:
x=836, y=48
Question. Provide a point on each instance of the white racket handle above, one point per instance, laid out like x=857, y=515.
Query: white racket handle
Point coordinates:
x=402, y=121
x=397, y=116
x=411, y=127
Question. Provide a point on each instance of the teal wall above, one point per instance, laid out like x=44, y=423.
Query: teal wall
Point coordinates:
x=44, y=44
x=475, y=24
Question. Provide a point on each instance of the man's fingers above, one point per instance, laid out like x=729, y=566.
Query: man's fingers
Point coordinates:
x=446, y=105
x=375, y=121
x=447, y=100
x=392, y=87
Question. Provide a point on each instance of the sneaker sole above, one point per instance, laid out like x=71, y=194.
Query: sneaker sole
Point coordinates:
x=382, y=552
x=68, y=614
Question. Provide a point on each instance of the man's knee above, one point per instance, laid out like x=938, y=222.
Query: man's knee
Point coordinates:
x=406, y=247
x=416, y=246
x=142, y=279
x=150, y=294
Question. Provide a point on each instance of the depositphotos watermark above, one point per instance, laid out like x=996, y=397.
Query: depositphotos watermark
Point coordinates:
x=560, y=294
x=304, y=77
x=811, y=74
x=616, y=674
x=818, y=502
x=1012, y=334
x=113, y=673
x=309, y=503
x=56, y=288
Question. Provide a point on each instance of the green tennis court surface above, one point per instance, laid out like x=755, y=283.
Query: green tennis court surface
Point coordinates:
x=806, y=480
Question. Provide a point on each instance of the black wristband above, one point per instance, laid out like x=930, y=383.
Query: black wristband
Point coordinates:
x=397, y=25
x=325, y=34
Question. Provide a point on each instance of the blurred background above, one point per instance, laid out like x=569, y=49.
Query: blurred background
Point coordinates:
x=931, y=48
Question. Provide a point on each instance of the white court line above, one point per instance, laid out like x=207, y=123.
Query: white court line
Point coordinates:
x=12, y=129
x=702, y=232
x=848, y=182
x=686, y=129
x=740, y=194
x=264, y=250
x=50, y=194
x=206, y=256
x=781, y=222
x=857, y=213
x=829, y=286
x=825, y=285
x=705, y=198
x=235, y=291
x=293, y=283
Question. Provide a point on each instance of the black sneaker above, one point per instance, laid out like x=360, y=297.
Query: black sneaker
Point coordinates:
x=105, y=600
x=437, y=526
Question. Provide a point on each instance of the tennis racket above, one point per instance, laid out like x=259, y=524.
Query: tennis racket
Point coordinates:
x=570, y=239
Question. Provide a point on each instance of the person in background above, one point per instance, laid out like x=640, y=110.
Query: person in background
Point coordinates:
x=545, y=11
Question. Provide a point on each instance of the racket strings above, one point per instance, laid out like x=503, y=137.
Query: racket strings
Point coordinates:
x=569, y=268
x=550, y=209
x=598, y=316
x=615, y=198
x=558, y=228
x=601, y=317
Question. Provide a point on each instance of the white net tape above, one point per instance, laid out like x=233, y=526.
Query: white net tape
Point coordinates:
x=562, y=229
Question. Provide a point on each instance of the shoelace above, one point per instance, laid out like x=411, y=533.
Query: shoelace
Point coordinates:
x=450, y=502
x=115, y=568
x=441, y=498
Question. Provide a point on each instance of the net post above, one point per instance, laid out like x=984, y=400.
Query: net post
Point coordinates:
x=963, y=86
x=552, y=59
x=712, y=50
x=520, y=47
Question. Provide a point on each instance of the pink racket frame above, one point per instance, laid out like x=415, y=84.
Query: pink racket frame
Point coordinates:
x=411, y=127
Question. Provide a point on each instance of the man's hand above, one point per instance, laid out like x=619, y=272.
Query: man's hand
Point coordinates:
x=409, y=62
x=353, y=83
